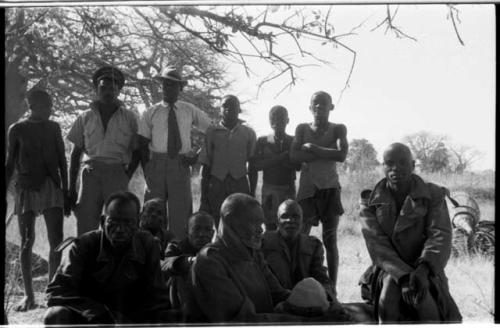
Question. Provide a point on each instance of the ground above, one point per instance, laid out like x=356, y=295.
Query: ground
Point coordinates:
x=471, y=279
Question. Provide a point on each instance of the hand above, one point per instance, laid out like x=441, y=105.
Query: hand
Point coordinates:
x=419, y=282
x=280, y=307
x=307, y=147
x=72, y=198
x=406, y=292
x=189, y=158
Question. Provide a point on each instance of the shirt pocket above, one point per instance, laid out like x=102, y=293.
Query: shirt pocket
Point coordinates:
x=123, y=135
x=90, y=135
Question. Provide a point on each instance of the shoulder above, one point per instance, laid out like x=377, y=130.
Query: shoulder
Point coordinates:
x=302, y=127
x=312, y=242
x=146, y=238
x=128, y=113
x=339, y=129
x=262, y=140
x=270, y=240
x=187, y=106
x=247, y=127
x=151, y=110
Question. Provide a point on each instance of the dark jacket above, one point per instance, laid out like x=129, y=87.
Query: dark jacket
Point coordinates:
x=230, y=282
x=421, y=232
x=305, y=260
x=175, y=268
x=90, y=280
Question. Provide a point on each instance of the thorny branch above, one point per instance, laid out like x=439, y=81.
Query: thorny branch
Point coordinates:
x=453, y=12
x=389, y=19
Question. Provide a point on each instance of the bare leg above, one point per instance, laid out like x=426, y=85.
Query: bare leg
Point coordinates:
x=389, y=301
x=27, y=231
x=54, y=223
x=332, y=252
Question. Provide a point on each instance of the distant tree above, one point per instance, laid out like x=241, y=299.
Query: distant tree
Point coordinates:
x=463, y=156
x=361, y=156
x=430, y=150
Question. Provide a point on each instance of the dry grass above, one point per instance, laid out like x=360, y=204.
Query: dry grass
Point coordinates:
x=471, y=280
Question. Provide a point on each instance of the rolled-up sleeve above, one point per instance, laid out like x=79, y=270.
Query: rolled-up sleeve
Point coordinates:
x=201, y=120
x=75, y=134
x=144, y=125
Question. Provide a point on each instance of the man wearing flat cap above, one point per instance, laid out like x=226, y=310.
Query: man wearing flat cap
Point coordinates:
x=106, y=135
x=165, y=143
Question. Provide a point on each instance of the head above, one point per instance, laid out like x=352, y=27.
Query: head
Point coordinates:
x=230, y=109
x=244, y=215
x=278, y=118
x=398, y=164
x=153, y=217
x=108, y=82
x=120, y=221
x=289, y=219
x=172, y=84
x=200, y=229
x=40, y=104
x=320, y=106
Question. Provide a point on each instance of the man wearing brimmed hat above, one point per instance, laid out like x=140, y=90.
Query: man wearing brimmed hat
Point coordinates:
x=165, y=142
x=106, y=136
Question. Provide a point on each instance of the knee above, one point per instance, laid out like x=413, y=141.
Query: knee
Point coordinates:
x=27, y=243
x=58, y=315
x=389, y=299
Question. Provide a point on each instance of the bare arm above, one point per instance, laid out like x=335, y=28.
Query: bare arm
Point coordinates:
x=297, y=155
x=74, y=168
x=12, y=152
x=63, y=165
x=337, y=155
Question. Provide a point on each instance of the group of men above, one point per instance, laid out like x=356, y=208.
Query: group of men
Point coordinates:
x=159, y=264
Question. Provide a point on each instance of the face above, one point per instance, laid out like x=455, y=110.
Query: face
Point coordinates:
x=120, y=223
x=250, y=228
x=230, y=109
x=200, y=231
x=107, y=91
x=279, y=121
x=171, y=91
x=289, y=220
x=40, y=109
x=153, y=215
x=398, y=166
x=320, y=107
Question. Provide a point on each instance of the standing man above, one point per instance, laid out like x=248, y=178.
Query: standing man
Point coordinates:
x=319, y=146
x=106, y=136
x=165, y=143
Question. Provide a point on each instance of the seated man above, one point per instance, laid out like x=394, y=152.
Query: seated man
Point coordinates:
x=180, y=256
x=407, y=231
x=111, y=275
x=230, y=278
x=293, y=256
x=154, y=219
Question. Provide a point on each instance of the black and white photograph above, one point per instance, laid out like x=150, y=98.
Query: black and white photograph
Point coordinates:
x=193, y=163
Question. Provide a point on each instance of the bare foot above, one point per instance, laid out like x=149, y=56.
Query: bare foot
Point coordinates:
x=25, y=305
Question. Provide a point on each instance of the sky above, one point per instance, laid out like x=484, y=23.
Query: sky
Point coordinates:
x=398, y=86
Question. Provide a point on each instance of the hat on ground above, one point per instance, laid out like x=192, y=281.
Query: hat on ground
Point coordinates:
x=109, y=72
x=171, y=73
x=308, y=298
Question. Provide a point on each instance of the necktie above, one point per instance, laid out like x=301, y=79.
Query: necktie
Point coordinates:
x=174, y=137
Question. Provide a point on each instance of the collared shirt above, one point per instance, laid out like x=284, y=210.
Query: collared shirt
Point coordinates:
x=320, y=173
x=228, y=151
x=304, y=259
x=113, y=145
x=153, y=124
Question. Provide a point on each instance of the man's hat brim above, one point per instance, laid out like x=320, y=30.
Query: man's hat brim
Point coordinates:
x=109, y=72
